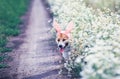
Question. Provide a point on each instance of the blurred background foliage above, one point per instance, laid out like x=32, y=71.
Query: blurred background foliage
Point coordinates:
x=10, y=13
x=113, y=5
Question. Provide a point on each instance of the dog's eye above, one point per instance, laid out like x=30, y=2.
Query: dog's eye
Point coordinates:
x=63, y=39
x=58, y=40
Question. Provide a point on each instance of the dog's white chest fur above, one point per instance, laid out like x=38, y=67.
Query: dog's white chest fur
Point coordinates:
x=66, y=53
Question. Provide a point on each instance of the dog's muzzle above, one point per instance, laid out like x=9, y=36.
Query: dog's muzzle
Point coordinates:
x=61, y=48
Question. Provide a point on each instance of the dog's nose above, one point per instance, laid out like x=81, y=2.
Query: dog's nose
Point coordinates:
x=60, y=46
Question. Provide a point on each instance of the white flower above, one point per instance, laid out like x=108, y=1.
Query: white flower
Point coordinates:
x=96, y=36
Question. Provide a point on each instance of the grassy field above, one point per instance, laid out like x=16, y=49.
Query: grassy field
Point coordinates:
x=10, y=13
x=95, y=43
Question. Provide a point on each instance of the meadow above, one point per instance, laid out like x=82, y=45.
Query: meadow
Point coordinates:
x=10, y=13
x=95, y=38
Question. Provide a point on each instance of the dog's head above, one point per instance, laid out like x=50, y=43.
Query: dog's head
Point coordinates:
x=63, y=37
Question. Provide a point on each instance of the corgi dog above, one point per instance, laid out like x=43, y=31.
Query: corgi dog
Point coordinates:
x=63, y=38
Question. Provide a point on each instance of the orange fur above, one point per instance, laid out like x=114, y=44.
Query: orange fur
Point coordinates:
x=62, y=36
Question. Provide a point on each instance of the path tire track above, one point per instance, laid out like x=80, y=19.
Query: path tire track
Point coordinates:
x=38, y=56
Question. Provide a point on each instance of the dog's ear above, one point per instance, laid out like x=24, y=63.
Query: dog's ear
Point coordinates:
x=69, y=27
x=56, y=26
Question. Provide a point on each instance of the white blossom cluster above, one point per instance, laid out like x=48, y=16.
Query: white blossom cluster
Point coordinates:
x=114, y=5
x=95, y=38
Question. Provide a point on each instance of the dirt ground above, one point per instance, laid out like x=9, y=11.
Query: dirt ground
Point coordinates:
x=37, y=57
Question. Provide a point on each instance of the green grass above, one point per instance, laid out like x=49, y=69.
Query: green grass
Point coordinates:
x=10, y=13
x=3, y=66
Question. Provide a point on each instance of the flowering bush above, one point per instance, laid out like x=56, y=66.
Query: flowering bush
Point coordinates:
x=95, y=39
x=114, y=5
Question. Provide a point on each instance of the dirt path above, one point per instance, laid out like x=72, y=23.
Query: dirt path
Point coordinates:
x=37, y=57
